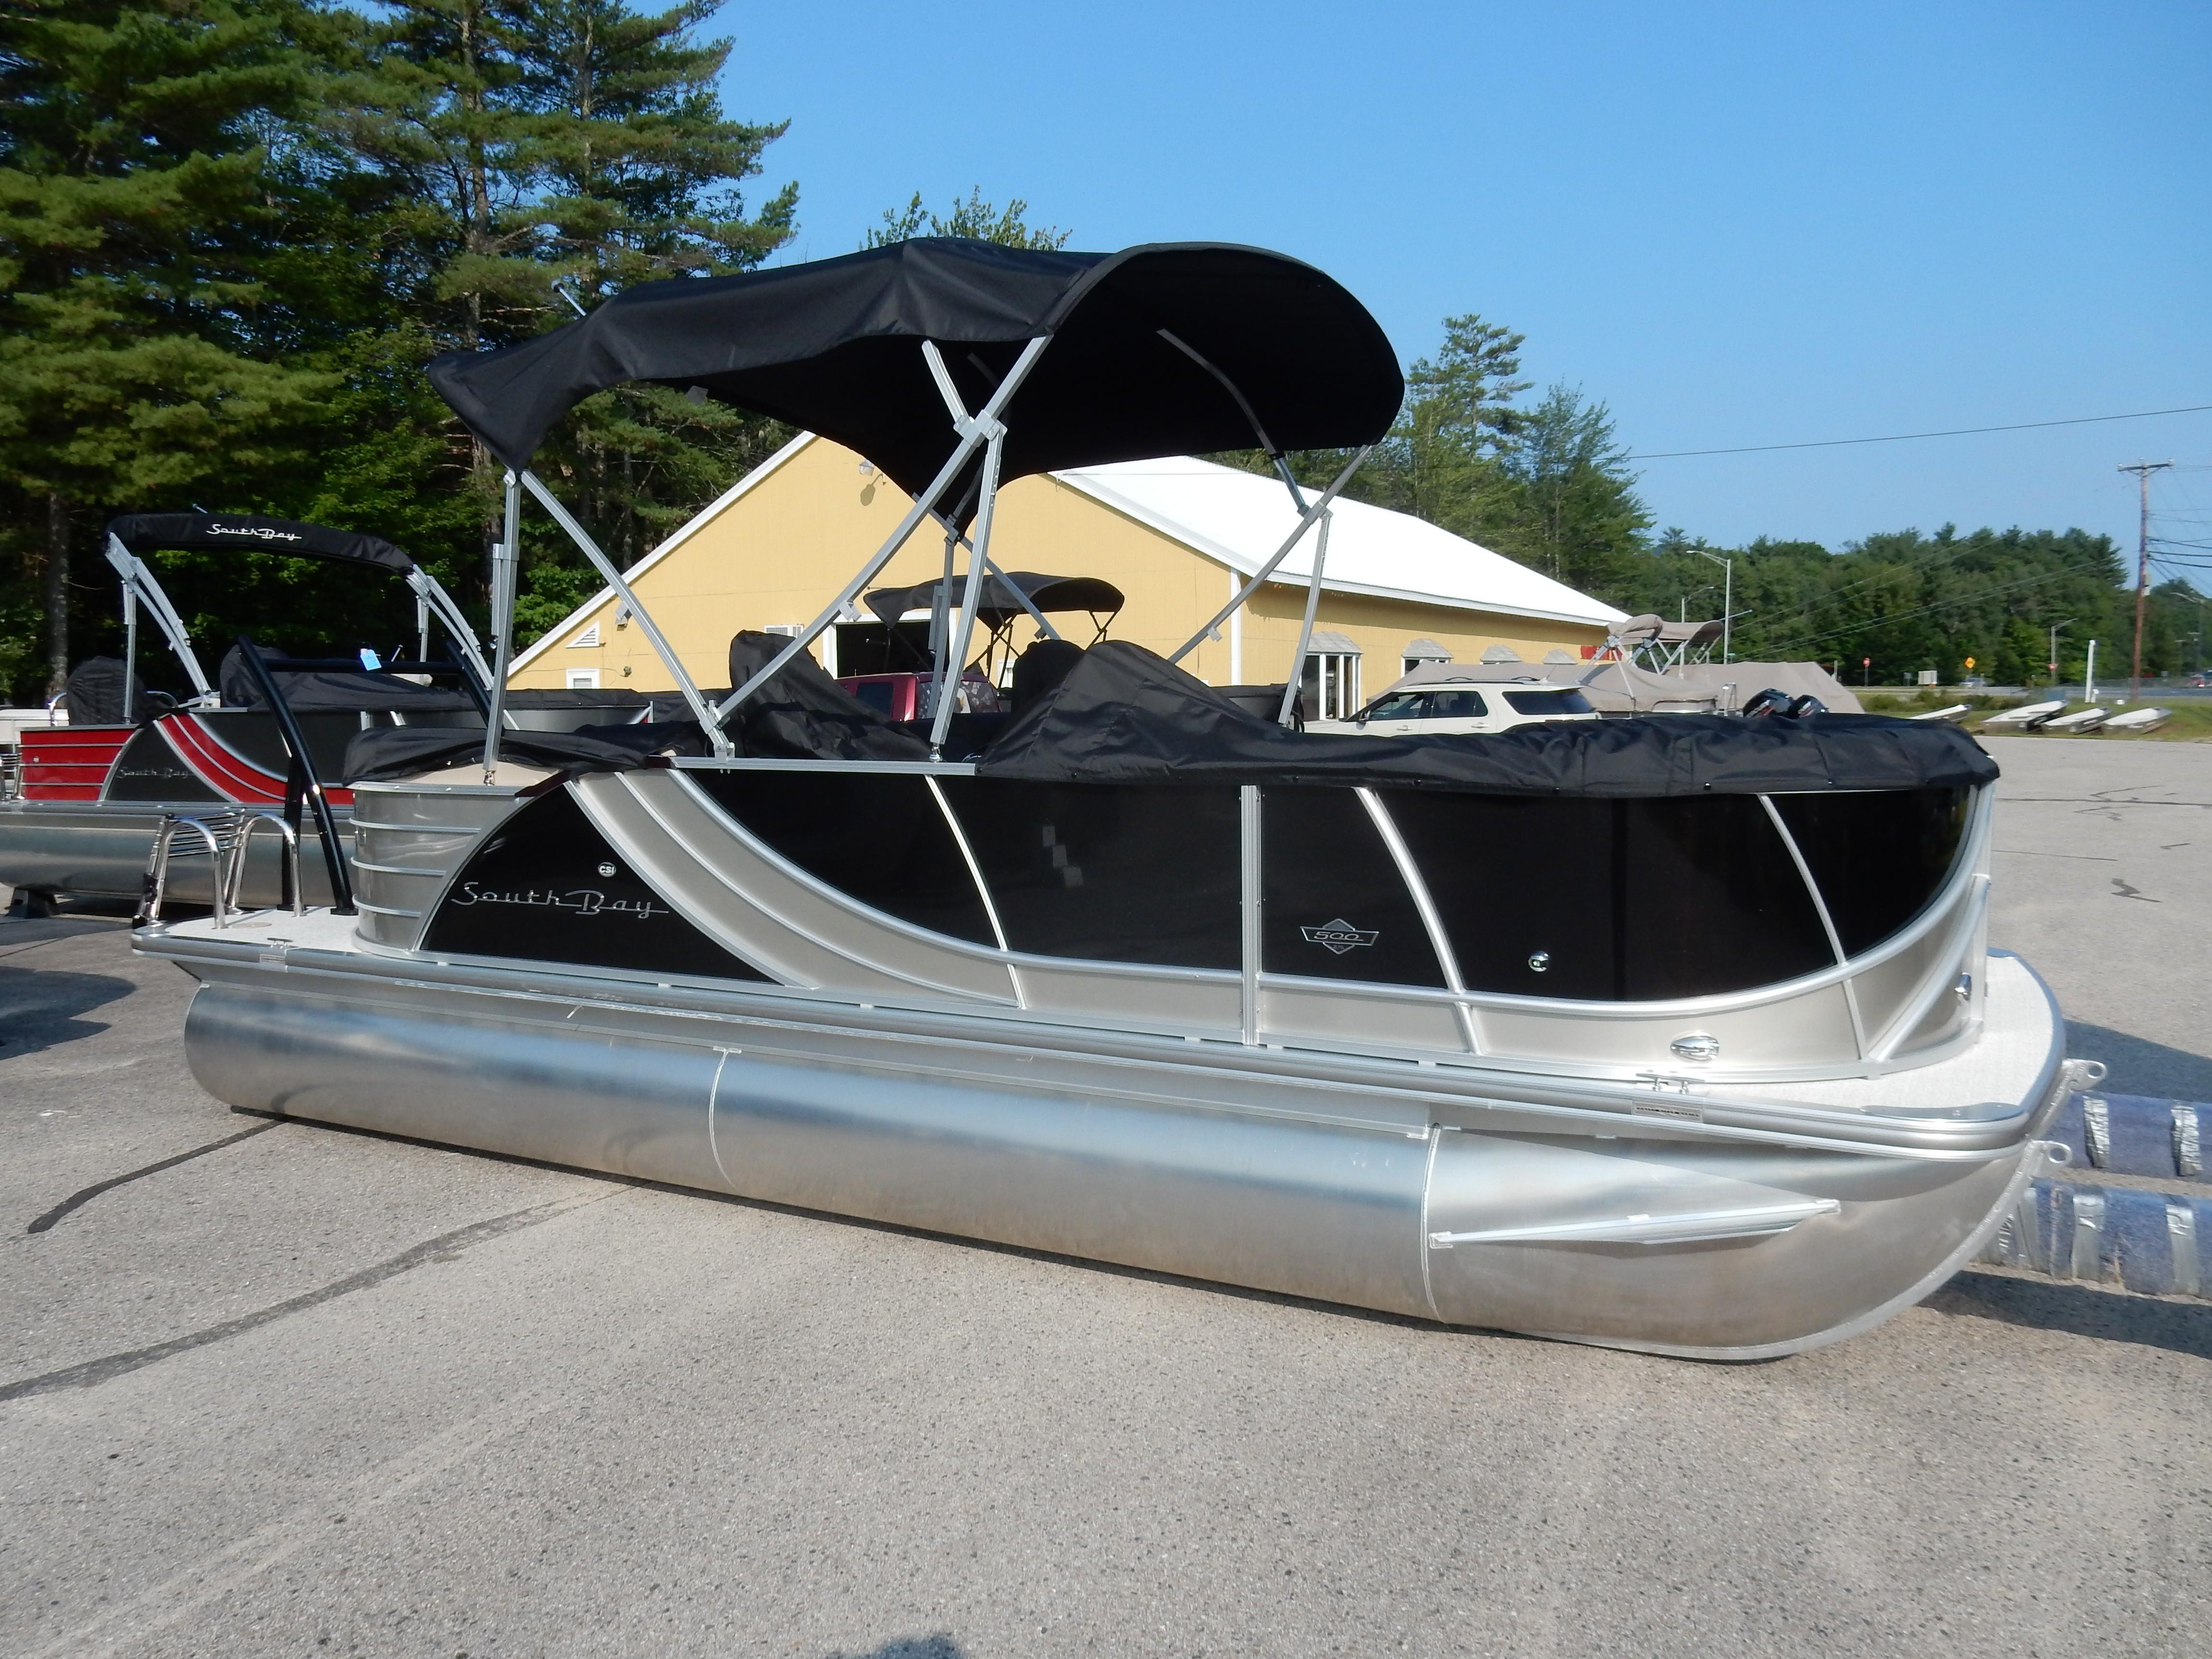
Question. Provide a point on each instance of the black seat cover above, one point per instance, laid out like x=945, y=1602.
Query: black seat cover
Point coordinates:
x=804, y=715
x=1039, y=670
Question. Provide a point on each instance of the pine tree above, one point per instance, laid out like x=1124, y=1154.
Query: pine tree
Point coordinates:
x=985, y=222
x=145, y=173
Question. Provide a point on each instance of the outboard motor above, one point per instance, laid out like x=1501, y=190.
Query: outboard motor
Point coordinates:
x=1769, y=701
x=1808, y=704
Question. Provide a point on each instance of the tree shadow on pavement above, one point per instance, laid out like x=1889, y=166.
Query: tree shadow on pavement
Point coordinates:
x=2080, y=1310
x=40, y=1010
x=2136, y=1066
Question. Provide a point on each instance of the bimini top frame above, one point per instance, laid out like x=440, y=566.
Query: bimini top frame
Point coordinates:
x=223, y=532
x=929, y=358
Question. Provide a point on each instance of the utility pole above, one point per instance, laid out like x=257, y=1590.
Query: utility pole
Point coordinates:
x=2055, y=627
x=2142, y=470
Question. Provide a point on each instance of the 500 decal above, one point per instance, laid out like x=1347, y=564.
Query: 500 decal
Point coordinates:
x=578, y=901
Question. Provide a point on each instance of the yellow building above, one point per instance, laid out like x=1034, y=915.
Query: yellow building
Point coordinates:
x=1178, y=537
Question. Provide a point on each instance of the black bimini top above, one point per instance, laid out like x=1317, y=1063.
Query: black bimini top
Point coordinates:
x=1125, y=715
x=833, y=346
x=146, y=532
x=996, y=601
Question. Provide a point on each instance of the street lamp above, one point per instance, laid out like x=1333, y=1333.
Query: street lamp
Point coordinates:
x=1728, y=595
x=2055, y=627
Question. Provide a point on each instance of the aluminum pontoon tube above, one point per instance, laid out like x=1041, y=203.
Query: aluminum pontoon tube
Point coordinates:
x=1150, y=1164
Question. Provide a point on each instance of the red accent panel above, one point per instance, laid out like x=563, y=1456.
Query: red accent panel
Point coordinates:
x=63, y=762
x=224, y=771
x=240, y=779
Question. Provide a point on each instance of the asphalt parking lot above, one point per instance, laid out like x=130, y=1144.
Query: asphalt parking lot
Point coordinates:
x=295, y=1390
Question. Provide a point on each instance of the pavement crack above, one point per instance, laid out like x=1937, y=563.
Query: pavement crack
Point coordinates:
x=92, y=1372
x=78, y=1200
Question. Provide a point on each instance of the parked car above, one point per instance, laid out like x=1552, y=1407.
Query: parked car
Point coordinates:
x=1451, y=710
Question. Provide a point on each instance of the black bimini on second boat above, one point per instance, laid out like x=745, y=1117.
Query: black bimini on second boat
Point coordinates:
x=1676, y=1033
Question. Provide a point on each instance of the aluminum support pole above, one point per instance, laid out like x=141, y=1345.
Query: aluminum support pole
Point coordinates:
x=1305, y=630
x=987, y=503
x=940, y=610
x=503, y=561
x=613, y=578
x=971, y=435
x=1306, y=522
x=439, y=602
x=137, y=579
x=991, y=568
x=129, y=650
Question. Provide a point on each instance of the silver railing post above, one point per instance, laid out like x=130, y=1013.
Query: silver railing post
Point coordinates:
x=949, y=677
x=613, y=578
x=129, y=650
x=504, y=560
x=234, y=879
x=1305, y=630
x=157, y=867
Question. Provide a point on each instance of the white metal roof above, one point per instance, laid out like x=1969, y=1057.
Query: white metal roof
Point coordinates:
x=1240, y=519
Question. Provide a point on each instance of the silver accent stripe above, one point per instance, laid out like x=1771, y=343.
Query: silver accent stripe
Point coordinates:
x=1409, y=872
x=982, y=887
x=1827, y=922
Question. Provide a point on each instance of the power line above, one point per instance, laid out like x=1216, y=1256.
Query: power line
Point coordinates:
x=1904, y=437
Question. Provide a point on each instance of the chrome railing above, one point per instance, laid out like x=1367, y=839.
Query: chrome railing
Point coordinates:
x=228, y=837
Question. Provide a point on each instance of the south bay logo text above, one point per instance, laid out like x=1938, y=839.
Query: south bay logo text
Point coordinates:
x=257, y=531
x=577, y=901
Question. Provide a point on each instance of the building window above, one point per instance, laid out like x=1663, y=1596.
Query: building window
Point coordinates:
x=1330, y=685
x=1417, y=652
x=583, y=680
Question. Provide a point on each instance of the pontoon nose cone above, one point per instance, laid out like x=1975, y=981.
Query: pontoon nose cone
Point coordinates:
x=1696, y=1046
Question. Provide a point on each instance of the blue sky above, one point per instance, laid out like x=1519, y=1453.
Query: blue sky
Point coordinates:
x=1735, y=224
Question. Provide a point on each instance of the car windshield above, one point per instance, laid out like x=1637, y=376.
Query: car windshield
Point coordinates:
x=1398, y=706
x=1564, y=700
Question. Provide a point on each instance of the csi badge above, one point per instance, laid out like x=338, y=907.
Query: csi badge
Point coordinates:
x=606, y=869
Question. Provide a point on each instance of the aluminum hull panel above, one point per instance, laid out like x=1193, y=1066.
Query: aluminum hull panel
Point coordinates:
x=1314, y=1179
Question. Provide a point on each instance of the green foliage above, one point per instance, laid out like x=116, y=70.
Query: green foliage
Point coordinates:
x=232, y=232
x=1912, y=602
x=974, y=217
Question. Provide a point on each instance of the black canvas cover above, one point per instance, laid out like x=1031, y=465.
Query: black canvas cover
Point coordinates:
x=997, y=601
x=403, y=751
x=1126, y=715
x=94, y=696
x=335, y=691
x=147, y=533
x=804, y=715
x=833, y=346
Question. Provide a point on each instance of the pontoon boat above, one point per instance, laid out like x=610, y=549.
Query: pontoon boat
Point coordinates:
x=1677, y=1034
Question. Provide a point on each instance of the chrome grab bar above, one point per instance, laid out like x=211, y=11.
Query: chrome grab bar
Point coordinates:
x=235, y=877
x=157, y=865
